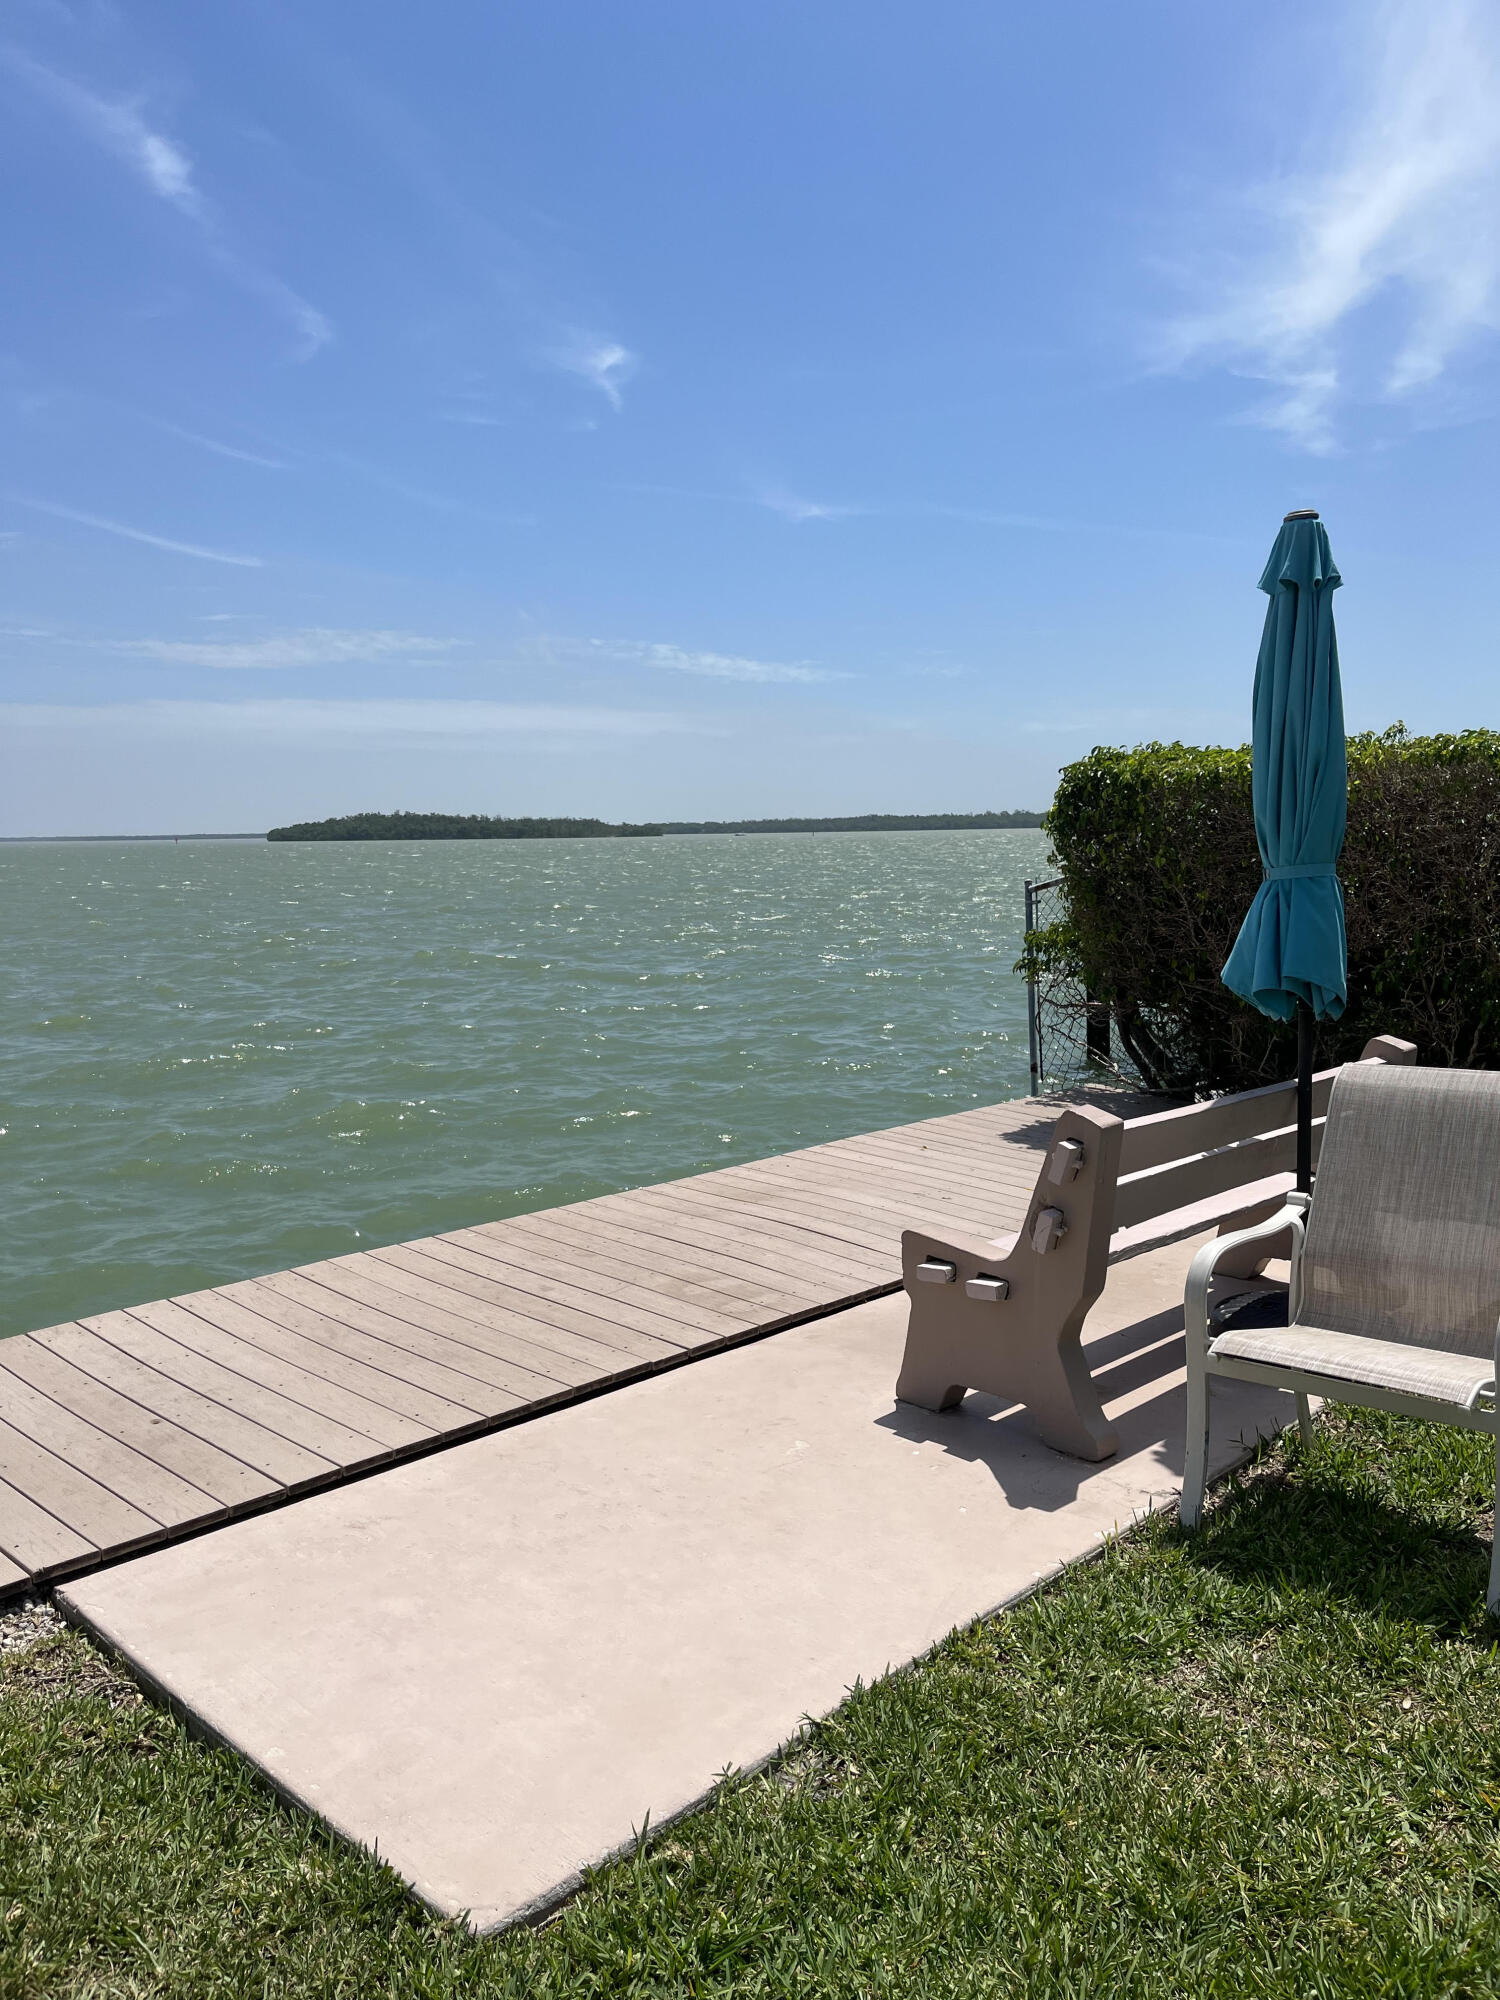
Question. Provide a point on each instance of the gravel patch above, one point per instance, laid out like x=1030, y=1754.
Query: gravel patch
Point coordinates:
x=25, y=1621
x=42, y=1656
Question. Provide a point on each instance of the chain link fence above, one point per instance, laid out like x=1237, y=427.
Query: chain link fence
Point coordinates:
x=1073, y=1039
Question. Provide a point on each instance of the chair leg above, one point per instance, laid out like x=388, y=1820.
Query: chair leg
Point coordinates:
x=1492, y=1595
x=1195, y=1465
x=1304, y=1421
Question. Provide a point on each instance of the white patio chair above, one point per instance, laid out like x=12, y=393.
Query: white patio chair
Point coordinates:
x=1395, y=1270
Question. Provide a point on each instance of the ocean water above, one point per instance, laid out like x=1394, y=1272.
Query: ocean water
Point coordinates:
x=218, y=1059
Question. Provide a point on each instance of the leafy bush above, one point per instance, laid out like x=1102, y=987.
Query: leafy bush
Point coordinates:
x=1157, y=853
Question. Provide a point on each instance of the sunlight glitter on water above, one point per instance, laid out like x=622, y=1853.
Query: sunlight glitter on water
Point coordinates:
x=197, y=1085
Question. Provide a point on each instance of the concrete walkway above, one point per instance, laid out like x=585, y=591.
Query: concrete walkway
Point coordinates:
x=492, y=1664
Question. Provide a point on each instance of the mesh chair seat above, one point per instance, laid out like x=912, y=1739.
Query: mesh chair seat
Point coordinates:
x=1444, y=1376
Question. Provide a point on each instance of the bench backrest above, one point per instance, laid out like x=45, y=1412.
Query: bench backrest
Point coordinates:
x=1178, y=1161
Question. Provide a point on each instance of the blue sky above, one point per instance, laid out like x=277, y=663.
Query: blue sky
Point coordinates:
x=677, y=411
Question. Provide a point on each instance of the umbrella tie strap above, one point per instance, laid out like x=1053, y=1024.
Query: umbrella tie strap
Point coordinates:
x=1298, y=870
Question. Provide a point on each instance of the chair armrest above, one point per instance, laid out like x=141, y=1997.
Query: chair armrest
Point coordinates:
x=1292, y=1217
x=1476, y=1400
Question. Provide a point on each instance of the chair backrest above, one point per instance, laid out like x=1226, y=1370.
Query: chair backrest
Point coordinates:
x=1403, y=1238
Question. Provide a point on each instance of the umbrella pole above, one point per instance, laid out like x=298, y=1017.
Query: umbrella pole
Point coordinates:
x=1304, y=1096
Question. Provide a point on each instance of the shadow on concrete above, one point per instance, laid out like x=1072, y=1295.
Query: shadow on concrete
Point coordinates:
x=985, y=1431
x=1127, y=1363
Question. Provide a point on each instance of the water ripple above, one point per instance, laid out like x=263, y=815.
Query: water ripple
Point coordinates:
x=219, y=1060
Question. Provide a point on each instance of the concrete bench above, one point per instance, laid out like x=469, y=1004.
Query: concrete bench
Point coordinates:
x=1007, y=1316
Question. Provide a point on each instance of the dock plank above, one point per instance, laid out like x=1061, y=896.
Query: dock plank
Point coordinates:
x=142, y=1482
x=35, y=1540
x=266, y=1451
x=516, y=1348
x=446, y=1366
x=745, y=1227
x=877, y=1164
x=357, y=1413
x=859, y=1224
x=509, y=1261
x=608, y=1259
x=868, y=1201
x=70, y=1496
x=169, y=1415
x=324, y=1346
x=321, y=1437
x=717, y=1234
x=752, y=1283
x=773, y=1223
x=228, y=1480
x=834, y=1230
x=579, y=1321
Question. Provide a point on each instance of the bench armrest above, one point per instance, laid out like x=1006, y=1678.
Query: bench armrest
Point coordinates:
x=1292, y=1217
x=919, y=1246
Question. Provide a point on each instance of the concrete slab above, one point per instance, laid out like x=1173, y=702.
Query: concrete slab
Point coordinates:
x=492, y=1664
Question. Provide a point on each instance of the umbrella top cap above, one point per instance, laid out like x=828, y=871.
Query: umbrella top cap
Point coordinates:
x=1300, y=557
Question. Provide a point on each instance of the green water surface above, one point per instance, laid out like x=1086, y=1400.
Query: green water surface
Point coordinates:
x=218, y=1059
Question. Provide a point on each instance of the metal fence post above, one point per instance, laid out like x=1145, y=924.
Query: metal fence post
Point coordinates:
x=1033, y=1011
x=1096, y=1036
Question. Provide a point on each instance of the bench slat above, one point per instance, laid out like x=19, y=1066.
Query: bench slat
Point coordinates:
x=1237, y=1207
x=1191, y=1129
x=1186, y=1182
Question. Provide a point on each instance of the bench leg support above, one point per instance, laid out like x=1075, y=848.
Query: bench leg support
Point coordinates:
x=1049, y=1375
x=924, y=1380
x=1006, y=1318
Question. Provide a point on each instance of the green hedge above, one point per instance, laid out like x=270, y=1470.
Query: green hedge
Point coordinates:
x=1156, y=848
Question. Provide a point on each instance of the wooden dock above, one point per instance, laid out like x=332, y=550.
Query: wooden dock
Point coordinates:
x=141, y=1426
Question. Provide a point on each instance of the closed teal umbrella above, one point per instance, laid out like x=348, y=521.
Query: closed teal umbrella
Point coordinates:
x=1290, y=958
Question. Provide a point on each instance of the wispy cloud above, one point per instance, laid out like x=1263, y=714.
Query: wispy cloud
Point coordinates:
x=218, y=446
x=313, y=646
x=119, y=128
x=794, y=507
x=1402, y=203
x=540, y=319
x=713, y=666
x=420, y=496
x=130, y=534
x=164, y=167
x=294, y=722
x=604, y=364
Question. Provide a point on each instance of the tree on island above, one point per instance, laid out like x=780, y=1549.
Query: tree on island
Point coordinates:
x=475, y=826
x=451, y=826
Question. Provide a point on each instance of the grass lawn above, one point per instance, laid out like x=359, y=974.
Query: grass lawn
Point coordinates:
x=1263, y=1761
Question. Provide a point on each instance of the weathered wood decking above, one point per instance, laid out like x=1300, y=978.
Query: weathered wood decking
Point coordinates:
x=139, y=1426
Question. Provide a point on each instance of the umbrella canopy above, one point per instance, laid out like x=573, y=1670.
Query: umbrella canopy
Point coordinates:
x=1291, y=946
